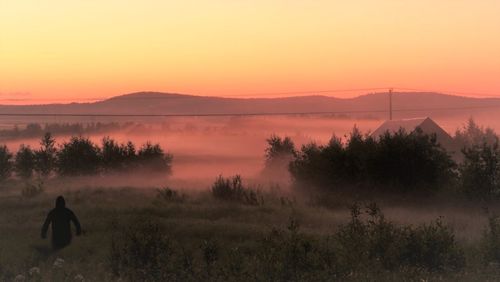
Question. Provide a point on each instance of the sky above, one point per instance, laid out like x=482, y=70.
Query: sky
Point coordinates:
x=68, y=50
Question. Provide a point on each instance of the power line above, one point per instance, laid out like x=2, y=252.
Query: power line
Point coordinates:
x=248, y=114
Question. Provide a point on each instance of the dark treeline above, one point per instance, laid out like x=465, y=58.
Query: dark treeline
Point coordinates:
x=80, y=156
x=37, y=130
x=399, y=162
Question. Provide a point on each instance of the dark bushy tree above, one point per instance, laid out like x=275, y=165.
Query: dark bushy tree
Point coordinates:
x=480, y=171
x=5, y=163
x=78, y=156
x=279, y=153
x=410, y=161
x=25, y=162
x=399, y=161
x=45, y=157
x=117, y=157
x=153, y=158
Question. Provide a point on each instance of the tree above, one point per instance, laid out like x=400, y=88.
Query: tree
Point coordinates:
x=279, y=153
x=480, y=171
x=112, y=155
x=25, y=162
x=5, y=163
x=79, y=156
x=472, y=134
x=398, y=162
x=45, y=157
x=152, y=158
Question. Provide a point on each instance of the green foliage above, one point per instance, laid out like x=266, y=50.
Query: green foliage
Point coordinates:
x=232, y=189
x=168, y=194
x=140, y=252
x=152, y=158
x=5, y=163
x=490, y=241
x=380, y=243
x=287, y=255
x=117, y=157
x=45, y=157
x=279, y=153
x=78, y=156
x=471, y=134
x=396, y=162
x=480, y=171
x=25, y=162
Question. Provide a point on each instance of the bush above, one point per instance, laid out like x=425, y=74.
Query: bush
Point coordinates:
x=490, y=241
x=140, y=252
x=25, y=162
x=279, y=153
x=480, y=171
x=152, y=158
x=396, y=162
x=79, y=156
x=232, y=189
x=380, y=243
x=32, y=190
x=117, y=157
x=168, y=194
x=5, y=163
x=287, y=255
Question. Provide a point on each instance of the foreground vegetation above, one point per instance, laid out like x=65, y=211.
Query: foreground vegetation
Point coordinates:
x=164, y=234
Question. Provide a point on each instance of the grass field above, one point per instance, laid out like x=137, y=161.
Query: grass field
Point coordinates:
x=210, y=239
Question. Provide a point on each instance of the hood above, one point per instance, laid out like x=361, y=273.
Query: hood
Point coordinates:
x=60, y=202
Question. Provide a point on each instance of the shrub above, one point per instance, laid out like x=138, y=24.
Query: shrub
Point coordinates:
x=395, y=162
x=232, y=189
x=169, y=195
x=25, y=162
x=32, y=190
x=490, y=241
x=286, y=255
x=152, y=158
x=380, y=243
x=279, y=153
x=79, y=156
x=140, y=252
x=480, y=171
x=117, y=157
x=5, y=163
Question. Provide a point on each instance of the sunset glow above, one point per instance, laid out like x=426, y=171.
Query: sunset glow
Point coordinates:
x=63, y=50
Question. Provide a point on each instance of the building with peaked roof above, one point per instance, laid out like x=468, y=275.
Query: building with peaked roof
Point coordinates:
x=427, y=125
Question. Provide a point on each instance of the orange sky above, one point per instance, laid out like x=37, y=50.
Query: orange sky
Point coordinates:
x=76, y=50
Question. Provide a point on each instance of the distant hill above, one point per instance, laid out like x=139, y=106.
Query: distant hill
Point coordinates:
x=406, y=105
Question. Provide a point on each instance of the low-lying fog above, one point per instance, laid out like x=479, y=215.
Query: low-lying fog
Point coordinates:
x=206, y=147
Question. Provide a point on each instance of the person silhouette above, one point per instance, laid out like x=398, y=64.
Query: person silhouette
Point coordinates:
x=60, y=218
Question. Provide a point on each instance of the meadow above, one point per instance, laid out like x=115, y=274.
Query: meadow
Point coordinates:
x=192, y=226
x=153, y=233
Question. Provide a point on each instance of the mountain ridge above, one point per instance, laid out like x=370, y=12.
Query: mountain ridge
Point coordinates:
x=374, y=104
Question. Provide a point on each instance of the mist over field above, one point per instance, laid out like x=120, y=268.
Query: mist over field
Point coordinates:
x=204, y=147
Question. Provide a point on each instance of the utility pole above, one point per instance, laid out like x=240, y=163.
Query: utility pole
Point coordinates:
x=390, y=104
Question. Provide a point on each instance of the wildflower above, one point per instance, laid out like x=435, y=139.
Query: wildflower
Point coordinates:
x=58, y=263
x=79, y=277
x=20, y=278
x=34, y=271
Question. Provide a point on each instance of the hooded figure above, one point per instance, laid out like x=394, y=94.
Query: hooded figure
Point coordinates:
x=60, y=218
